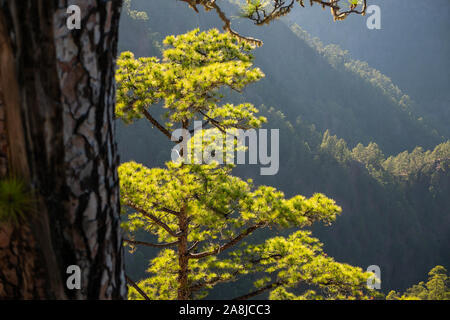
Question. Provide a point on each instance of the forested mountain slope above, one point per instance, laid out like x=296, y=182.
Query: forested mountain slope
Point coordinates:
x=299, y=81
x=395, y=209
x=412, y=48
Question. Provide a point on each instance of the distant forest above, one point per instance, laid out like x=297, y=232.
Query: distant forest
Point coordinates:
x=346, y=130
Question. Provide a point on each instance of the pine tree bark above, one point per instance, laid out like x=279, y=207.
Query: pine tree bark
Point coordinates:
x=183, y=258
x=57, y=133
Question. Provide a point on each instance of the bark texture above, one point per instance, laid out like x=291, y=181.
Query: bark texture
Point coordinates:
x=3, y=140
x=183, y=258
x=58, y=96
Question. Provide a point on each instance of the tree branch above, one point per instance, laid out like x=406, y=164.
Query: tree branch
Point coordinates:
x=155, y=219
x=276, y=9
x=227, y=27
x=193, y=246
x=213, y=121
x=134, y=285
x=259, y=291
x=153, y=245
x=229, y=244
x=175, y=213
x=153, y=121
x=212, y=282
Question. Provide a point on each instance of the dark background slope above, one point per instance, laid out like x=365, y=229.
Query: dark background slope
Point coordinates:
x=412, y=48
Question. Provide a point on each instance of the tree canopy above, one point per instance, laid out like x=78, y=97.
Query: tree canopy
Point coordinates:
x=436, y=288
x=208, y=215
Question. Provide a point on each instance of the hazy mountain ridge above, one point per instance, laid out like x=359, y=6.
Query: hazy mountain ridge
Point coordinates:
x=412, y=48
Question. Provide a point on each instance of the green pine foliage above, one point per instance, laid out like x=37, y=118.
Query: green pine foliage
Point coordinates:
x=134, y=14
x=187, y=80
x=436, y=288
x=203, y=219
x=392, y=214
x=404, y=168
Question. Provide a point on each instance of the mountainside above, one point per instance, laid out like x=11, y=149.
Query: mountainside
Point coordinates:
x=412, y=48
x=313, y=92
x=299, y=81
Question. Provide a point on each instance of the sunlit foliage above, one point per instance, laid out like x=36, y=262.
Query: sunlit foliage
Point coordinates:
x=436, y=288
x=201, y=217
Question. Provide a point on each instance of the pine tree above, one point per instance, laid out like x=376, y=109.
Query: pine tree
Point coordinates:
x=436, y=288
x=204, y=220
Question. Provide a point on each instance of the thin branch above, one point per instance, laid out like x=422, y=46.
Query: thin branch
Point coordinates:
x=218, y=125
x=213, y=121
x=134, y=285
x=155, y=219
x=175, y=213
x=153, y=121
x=213, y=282
x=227, y=27
x=153, y=245
x=279, y=8
x=193, y=246
x=229, y=244
x=272, y=256
x=259, y=291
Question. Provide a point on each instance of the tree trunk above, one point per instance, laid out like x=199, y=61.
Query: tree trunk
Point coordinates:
x=183, y=259
x=57, y=133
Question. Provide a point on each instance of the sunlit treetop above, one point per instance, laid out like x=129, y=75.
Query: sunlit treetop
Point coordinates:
x=195, y=49
x=189, y=80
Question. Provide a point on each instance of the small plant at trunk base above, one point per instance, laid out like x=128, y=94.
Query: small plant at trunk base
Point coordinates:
x=15, y=200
